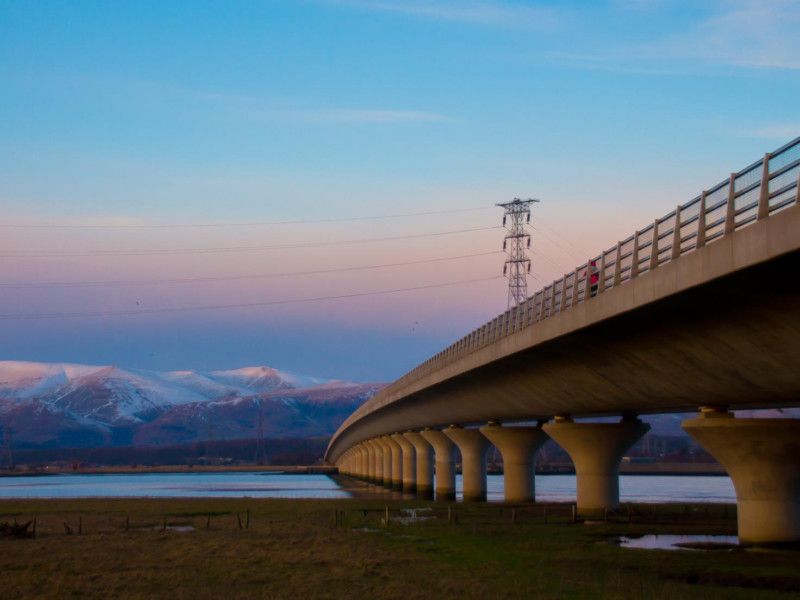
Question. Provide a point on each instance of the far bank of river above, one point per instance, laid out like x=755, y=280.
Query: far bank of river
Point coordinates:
x=627, y=468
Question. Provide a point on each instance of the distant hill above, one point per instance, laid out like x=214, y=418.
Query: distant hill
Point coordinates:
x=49, y=405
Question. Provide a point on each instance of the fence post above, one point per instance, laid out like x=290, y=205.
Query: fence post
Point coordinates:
x=564, y=294
x=552, y=298
x=618, y=265
x=763, y=196
x=654, y=247
x=701, y=223
x=676, y=234
x=635, y=256
x=730, y=208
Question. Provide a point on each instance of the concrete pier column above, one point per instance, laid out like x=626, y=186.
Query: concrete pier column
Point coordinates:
x=473, y=447
x=423, y=452
x=517, y=445
x=361, y=461
x=444, y=453
x=596, y=450
x=762, y=456
x=371, y=460
x=348, y=462
x=396, y=457
x=380, y=461
x=387, y=462
x=409, y=463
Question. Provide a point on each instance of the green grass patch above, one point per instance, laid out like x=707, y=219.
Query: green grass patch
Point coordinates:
x=344, y=549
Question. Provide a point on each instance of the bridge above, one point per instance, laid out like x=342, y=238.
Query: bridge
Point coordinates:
x=696, y=311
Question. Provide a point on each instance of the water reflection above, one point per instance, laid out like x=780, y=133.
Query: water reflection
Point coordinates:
x=681, y=542
x=173, y=485
x=549, y=488
x=632, y=488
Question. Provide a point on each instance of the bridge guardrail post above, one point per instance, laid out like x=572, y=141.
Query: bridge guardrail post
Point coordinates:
x=676, y=234
x=700, y=240
x=587, y=283
x=797, y=190
x=601, y=280
x=763, y=195
x=654, y=247
x=576, y=275
x=635, y=256
x=618, y=265
x=730, y=207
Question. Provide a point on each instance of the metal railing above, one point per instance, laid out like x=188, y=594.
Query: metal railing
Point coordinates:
x=754, y=193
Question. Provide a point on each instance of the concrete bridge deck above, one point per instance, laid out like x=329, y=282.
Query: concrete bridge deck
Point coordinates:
x=698, y=309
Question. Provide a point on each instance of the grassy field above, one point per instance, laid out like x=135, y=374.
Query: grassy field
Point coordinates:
x=342, y=549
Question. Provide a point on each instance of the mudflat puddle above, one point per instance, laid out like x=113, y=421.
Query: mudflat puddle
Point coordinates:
x=680, y=542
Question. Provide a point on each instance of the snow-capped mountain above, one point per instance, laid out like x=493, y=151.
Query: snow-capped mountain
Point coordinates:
x=60, y=404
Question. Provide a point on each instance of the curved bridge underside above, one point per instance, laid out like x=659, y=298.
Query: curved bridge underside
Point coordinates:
x=720, y=326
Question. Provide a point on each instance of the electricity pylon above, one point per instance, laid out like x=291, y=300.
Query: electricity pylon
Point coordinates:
x=516, y=243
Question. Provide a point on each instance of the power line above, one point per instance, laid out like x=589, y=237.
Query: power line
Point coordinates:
x=225, y=249
x=236, y=224
x=559, y=234
x=209, y=307
x=133, y=282
x=558, y=266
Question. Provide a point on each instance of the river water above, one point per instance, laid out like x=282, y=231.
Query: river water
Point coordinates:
x=549, y=488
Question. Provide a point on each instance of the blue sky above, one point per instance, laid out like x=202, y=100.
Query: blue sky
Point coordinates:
x=141, y=113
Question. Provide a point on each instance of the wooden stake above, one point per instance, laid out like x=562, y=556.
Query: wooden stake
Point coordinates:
x=208, y=521
x=239, y=519
x=247, y=521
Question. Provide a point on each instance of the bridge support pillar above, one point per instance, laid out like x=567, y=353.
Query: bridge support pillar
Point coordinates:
x=473, y=447
x=444, y=449
x=409, y=463
x=762, y=456
x=423, y=453
x=345, y=466
x=596, y=450
x=376, y=462
x=362, y=461
x=517, y=445
x=386, y=463
x=396, y=458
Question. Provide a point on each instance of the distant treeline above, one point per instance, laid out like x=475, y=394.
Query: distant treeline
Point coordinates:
x=291, y=451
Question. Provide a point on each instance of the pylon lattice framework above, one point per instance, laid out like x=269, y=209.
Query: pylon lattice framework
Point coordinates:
x=516, y=243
